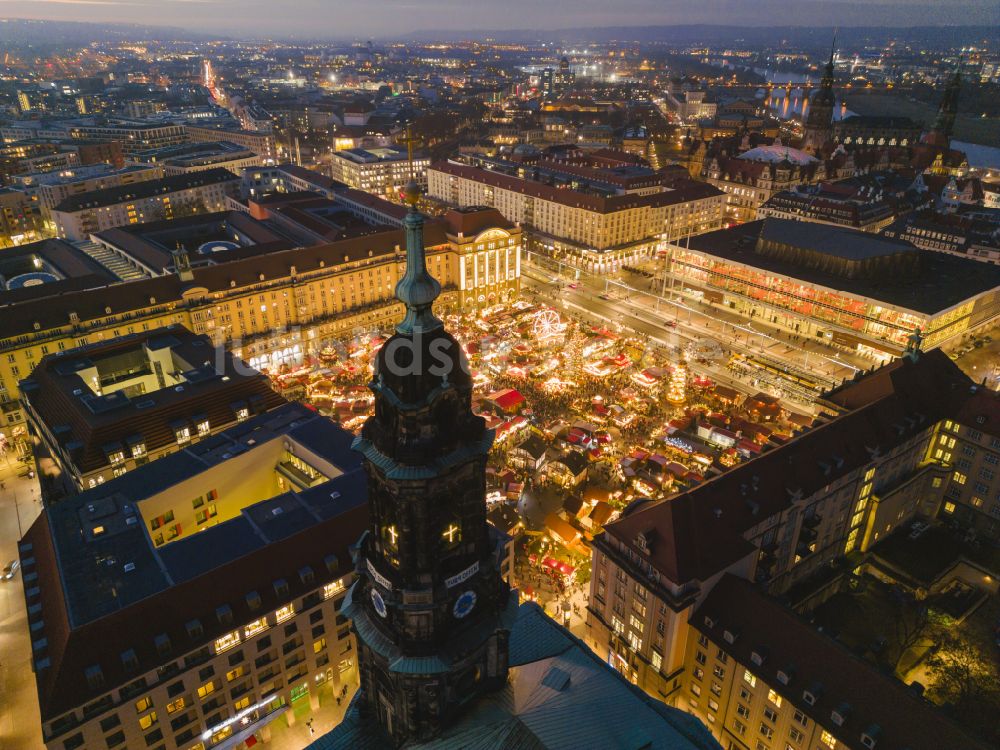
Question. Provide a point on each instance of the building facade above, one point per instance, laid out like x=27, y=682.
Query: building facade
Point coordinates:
x=219, y=620
x=268, y=309
x=681, y=592
x=79, y=216
x=853, y=289
x=597, y=232
x=380, y=171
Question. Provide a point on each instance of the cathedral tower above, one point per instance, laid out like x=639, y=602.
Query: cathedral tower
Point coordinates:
x=818, y=127
x=430, y=610
x=944, y=123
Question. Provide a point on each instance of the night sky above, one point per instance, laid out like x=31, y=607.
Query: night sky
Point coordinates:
x=345, y=19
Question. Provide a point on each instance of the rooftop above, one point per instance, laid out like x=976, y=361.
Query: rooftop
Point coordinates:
x=700, y=532
x=99, y=398
x=100, y=572
x=55, y=264
x=775, y=154
x=680, y=193
x=868, y=700
x=143, y=190
x=209, y=238
x=560, y=696
x=940, y=282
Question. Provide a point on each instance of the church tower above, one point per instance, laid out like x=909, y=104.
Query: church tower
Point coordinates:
x=944, y=124
x=818, y=128
x=430, y=610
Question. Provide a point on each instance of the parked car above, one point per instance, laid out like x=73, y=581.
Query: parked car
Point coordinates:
x=10, y=570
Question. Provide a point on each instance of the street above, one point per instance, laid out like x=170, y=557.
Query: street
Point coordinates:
x=20, y=722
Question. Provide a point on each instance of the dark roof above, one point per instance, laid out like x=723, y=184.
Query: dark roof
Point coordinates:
x=91, y=302
x=533, y=445
x=574, y=461
x=71, y=267
x=811, y=658
x=209, y=386
x=86, y=592
x=831, y=240
x=680, y=192
x=560, y=696
x=943, y=280
x=700, y=532
x=151, y=244
x=147, y=189
x=472, y=220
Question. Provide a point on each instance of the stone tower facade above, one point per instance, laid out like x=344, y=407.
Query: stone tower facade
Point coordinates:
x=430, y=610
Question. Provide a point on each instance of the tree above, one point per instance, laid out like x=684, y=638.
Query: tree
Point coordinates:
x=963, y=674
x=914, y=622
x=965, y=678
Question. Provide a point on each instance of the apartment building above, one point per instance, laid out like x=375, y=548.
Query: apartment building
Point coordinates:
x=53, y=187
x=597, y=232
x=761, y=677
x=134, y=136
x=266, y=307
x=381, y=171
x=260, y=142
x=20, y=218
x=79, y=216
x=194, y=603
x=104, y=409
x=792, y=522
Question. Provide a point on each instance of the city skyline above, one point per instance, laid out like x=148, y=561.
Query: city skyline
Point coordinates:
x=351, y=18
x=619, y=381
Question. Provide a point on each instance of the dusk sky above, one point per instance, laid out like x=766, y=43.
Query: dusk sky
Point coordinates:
x=387, y=18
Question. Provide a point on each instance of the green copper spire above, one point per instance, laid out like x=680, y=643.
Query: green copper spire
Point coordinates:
x=417, y=289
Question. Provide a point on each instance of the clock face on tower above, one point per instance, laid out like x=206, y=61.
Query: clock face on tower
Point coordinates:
x=464, y=604
x=379, y=603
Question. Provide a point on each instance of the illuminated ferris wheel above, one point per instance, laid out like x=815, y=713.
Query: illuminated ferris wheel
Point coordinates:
x=547, y=324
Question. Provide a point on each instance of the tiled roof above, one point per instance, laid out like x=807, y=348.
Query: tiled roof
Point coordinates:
x=682, y=192
x=700, y=532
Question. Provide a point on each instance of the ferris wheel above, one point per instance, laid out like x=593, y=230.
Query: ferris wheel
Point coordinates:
x=547, y=324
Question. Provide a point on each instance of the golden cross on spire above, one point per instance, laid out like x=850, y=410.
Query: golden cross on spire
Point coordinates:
x=410, y=140
x=411, y=193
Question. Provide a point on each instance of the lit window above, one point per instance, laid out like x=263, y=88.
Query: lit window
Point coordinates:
x=145, y=722
x=774, y=698
x=233, y=674
x=142, y=704
x=176, y=706
x=255, y=627
x=207, y=689
x=227, y=641
x=749, y=678
x=333, y=588
x=285, y=613
x=949, y=507
x=203, y=427
x=828, y=739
